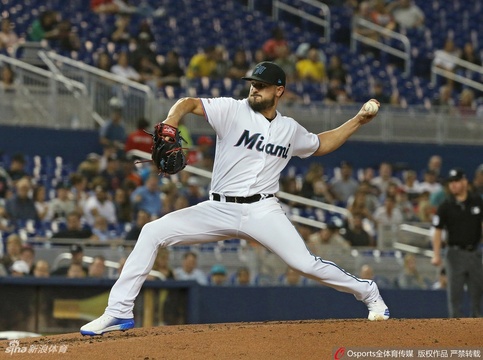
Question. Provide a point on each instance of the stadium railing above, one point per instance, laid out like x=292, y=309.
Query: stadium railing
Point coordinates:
x=462, y=75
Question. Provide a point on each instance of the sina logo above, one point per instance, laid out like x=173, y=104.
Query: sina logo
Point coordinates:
x=256, y=140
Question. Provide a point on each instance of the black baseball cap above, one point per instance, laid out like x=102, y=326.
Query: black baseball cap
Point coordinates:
x=268, y=72
x=456, y=174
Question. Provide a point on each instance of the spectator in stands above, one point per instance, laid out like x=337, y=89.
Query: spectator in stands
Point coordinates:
x=171, y=70
x=16, y=170
x=194, y=192
x=356, y=234
x=466, y=104
x=380, y=94
x=21, y=206
x=218, y=275
x=445, y=58
x=242, y=276
x=410, y=278
x=14, y=249
x=62, y=204
x=311, y=68
x=97, y=269
x=161, y=264
x=442, y=282
x=77, y=255
x=140, y=139
x=411, y=185
x=7, y=83
x=66, y=40
x=90, y=168
x=112, y=173
x=45, y=27
x=19, y=269
x=385, y=177
x=104, y=62
x=222, y=63
x=424, y=209
x=270, y=46
x=202, y=64
x=336, y=69
x=315, y=186
x=122, y=202
x=74, y=228
x=430, y=183
x=189, y=270
x=8, y=38
x=367, y=272
x=443, y=103
x=406, y=14
x=100, y=204
x=148, y=197
x=287, y=61
x=123, y=69
x=388, y=214
x=358, y=205
x=291, y=278
x=146, y=65
x=79, y=189
x=142, y=218
x=435, y=164
x=329, y=236
x=364, y=12
x=41, y=269
x=101, y=231
x=477, y=183
x=381, y=16
x=345, y=186
x=470, y=54
x=42, y=203
x=121, y=34
x=76, y=271
x=113, y=132
x=239, y=65
x=27, y=254
x=336, y=93
x=367, y=199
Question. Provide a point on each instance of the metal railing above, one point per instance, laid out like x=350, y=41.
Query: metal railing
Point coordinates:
x=138, y=99
x=309, y=16
x=363, y=23
x=34, y=97
x=465, y=65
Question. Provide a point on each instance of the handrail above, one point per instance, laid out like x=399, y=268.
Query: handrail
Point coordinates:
x=435, y=70
x=102, y=73
x=405, y=55
x=325, y=23
x=44, y=73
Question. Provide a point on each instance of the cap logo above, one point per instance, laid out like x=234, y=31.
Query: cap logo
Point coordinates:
x=453, y=173
x=259, y=70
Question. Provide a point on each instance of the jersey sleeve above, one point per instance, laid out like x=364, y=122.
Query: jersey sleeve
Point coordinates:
x=305, y=142
x=220, y=113
x=439, y=219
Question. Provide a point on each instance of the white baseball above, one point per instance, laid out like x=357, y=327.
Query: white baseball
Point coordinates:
x=371, y=107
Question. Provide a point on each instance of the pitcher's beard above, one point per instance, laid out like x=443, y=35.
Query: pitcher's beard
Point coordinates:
x=259, y=106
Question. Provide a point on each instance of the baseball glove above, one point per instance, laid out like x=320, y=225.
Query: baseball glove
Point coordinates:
x=167, y=152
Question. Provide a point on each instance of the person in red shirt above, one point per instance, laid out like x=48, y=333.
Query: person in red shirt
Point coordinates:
x=139, y=139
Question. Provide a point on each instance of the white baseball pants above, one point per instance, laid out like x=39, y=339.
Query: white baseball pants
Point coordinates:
x=263, y=221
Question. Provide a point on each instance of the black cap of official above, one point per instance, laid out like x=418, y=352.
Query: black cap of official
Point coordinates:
x=267, y=72
x=456, y=174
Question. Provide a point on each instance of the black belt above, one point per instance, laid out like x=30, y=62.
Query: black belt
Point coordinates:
x=463, y=247
x=240, y=199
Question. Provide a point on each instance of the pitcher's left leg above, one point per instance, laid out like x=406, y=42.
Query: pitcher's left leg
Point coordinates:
x=269, y=225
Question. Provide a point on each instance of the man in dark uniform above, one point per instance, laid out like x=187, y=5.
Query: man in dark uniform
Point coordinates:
x=461, y=215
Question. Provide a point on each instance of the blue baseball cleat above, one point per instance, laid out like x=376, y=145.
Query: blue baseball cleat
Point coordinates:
x=106, y=323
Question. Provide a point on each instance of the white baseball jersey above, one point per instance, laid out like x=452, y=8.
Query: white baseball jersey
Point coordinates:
x=252, y=151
